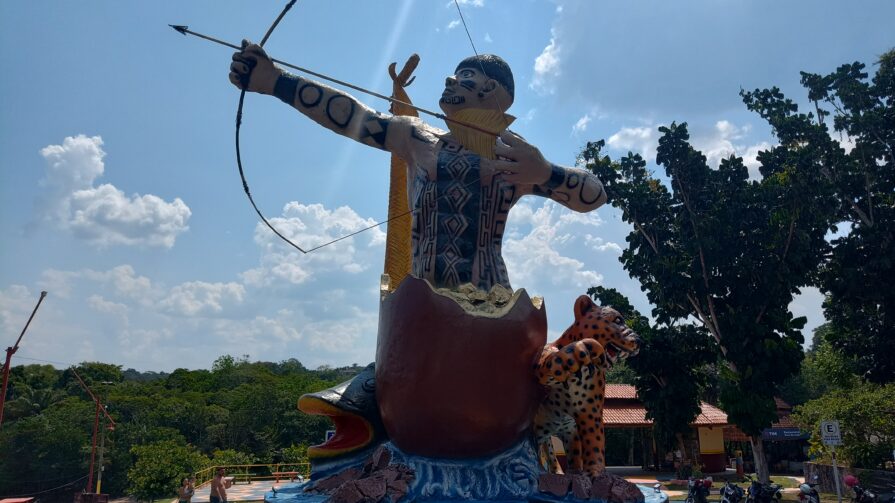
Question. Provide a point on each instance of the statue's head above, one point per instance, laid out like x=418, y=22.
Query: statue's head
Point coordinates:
x=483, y=81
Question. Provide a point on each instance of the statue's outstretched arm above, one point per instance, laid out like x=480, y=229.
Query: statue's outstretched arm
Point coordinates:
x=333, y=109
x=573, y=188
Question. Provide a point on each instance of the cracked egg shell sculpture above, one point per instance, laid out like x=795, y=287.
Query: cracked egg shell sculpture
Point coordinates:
x=452, y=383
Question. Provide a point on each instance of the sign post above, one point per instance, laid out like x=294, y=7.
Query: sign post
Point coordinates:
x=830, y=435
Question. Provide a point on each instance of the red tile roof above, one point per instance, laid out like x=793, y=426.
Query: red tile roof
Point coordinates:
x=782, y=405
x=620, y=409
x=710, y=416
x=784, y=422
x=625, y=416
x=622, y=391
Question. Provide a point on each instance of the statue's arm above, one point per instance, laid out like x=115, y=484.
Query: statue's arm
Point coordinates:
x=333, y=109
x=522, y=164
x=573, y=188
x=336, y=110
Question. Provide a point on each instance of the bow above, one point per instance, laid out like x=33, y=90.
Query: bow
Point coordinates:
x=242, y=95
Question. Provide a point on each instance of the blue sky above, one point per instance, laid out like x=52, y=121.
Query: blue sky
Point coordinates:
x=119, y=192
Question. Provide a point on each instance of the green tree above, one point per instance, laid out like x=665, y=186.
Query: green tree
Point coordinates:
x=232, y=457
x=856, y=188
x=621, y=373
x=295, y=454
x=34, y=376
x=824, y=369
x=865, y=414
x=241, y=406
x=727, y=252
x=27, y=401
x=98, y=372
x=160, y=466
x=669, y=371
x=56, y=441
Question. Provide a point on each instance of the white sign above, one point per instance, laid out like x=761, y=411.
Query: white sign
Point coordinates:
x=829, y=433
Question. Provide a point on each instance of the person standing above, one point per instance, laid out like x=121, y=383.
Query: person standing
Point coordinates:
x=219, y=486
x=186, y=491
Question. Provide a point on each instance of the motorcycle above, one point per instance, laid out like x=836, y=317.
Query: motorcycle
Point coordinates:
x=762, y=493
x=808, y=492
x=861, y=495
x=731, y=493
x=698, y=490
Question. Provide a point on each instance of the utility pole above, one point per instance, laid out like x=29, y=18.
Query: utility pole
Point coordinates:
x=11, y=351
x=99, y=407
x=102, y=451
x=93, y=451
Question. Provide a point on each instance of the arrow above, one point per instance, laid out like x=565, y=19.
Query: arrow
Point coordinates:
x=184, y=30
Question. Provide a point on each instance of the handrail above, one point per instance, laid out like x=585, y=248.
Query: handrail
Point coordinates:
x=205, y=475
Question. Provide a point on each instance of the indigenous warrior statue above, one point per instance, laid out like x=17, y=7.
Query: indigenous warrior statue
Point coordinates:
x=460, y=197
x=462, y=362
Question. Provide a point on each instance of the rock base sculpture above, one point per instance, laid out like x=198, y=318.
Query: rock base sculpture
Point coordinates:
x=389, y=475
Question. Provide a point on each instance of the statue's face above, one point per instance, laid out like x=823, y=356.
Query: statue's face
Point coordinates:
x=468, y=88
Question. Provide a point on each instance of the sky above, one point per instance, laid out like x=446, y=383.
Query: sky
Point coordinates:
x=119, y=192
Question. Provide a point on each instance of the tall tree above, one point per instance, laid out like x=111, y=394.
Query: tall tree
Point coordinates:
x=728, y=253
x=860, y=186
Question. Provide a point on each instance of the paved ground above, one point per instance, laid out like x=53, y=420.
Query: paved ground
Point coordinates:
x=639, y=476
x=240, y=492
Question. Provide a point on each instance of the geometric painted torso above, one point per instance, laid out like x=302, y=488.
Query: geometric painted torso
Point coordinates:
x=458, y=222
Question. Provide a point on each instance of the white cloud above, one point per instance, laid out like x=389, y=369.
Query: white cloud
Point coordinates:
x=16, y=303
x=600, y=244
x=488, y=38
x=123, y=316
x=581, y=125
x=640, y=140
x=198, y=298
x=547, y=67
x=453, y=24
x=533, y=242
x=101, y=305
x=310, y=226
x=75, y=164
x=103, y=215
x=122, y=280
x=725, y=140
x=260, y=331
x=156, y=344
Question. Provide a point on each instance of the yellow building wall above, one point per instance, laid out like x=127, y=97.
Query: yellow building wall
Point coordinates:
x=711, y=440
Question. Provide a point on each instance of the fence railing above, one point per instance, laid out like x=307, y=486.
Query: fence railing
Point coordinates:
x=256, y=472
